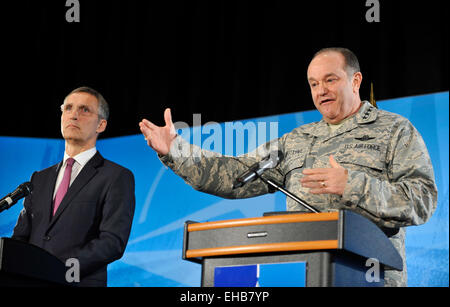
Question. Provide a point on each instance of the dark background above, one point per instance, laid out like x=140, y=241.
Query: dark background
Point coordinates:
x=227, y=60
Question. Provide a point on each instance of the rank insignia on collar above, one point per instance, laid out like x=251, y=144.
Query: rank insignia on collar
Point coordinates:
x=365, y=138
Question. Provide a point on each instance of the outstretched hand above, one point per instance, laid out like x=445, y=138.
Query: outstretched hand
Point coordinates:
x=159, y=138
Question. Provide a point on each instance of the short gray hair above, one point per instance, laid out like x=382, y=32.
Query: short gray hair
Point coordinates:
x=103, y=107
x=351, y=61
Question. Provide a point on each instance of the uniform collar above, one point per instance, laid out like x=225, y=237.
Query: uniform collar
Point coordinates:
x=366, y=114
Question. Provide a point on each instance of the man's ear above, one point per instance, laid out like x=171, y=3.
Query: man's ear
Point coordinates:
x=101, y=126
x=357, y=80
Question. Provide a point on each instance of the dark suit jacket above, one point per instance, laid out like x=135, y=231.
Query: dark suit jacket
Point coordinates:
x=92, y=223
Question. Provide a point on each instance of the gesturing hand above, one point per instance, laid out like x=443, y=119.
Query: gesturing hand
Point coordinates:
x=159, y=138
x=326, y=180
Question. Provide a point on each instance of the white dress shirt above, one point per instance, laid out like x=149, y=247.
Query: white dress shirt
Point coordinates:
x=80, y=161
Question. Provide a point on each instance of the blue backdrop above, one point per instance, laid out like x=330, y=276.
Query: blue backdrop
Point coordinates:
x=164, y=202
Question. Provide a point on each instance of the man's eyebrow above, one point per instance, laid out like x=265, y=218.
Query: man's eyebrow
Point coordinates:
x=330, y=75
x=326, y=76
x=80, y=106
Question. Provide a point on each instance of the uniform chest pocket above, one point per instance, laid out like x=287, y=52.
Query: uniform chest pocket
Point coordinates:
x=292, y=162
x=363, y=155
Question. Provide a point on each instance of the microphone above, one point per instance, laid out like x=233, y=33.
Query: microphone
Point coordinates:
x=12, y=198
x=258, y=168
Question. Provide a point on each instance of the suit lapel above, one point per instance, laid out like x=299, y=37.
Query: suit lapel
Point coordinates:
x=86, y=174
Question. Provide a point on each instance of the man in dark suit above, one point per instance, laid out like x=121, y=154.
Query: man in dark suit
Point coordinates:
x=83, y=207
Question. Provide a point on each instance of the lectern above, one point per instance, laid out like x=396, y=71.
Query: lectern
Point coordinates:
x=339, y=248
x=23, y=264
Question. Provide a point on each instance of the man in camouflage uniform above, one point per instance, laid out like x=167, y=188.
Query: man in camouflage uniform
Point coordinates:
x=357, y=157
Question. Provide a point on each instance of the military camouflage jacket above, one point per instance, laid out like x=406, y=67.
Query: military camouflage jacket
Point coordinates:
x=390, y=175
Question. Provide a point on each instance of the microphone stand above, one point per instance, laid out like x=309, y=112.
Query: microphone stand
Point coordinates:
x=289, y=194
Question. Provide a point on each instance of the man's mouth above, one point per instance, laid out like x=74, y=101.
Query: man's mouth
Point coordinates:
x=326, y=101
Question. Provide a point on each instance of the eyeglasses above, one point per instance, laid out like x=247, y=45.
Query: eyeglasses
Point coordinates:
x=82, y=110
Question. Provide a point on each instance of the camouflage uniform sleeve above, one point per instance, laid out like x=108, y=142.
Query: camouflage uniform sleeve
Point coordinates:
x=409, y=196
x=214, y=173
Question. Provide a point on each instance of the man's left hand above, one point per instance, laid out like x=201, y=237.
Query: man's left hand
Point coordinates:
x=326, y=180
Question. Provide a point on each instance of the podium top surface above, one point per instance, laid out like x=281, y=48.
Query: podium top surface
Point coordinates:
x=267, y=220
x=341, y=230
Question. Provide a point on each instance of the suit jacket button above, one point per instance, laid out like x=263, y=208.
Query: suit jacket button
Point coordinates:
x=47, y=238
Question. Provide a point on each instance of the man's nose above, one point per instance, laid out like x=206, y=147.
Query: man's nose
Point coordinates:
x=323, y=89
x=74, y=115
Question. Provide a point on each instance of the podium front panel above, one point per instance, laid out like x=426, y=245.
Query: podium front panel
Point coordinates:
x=322, y=269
